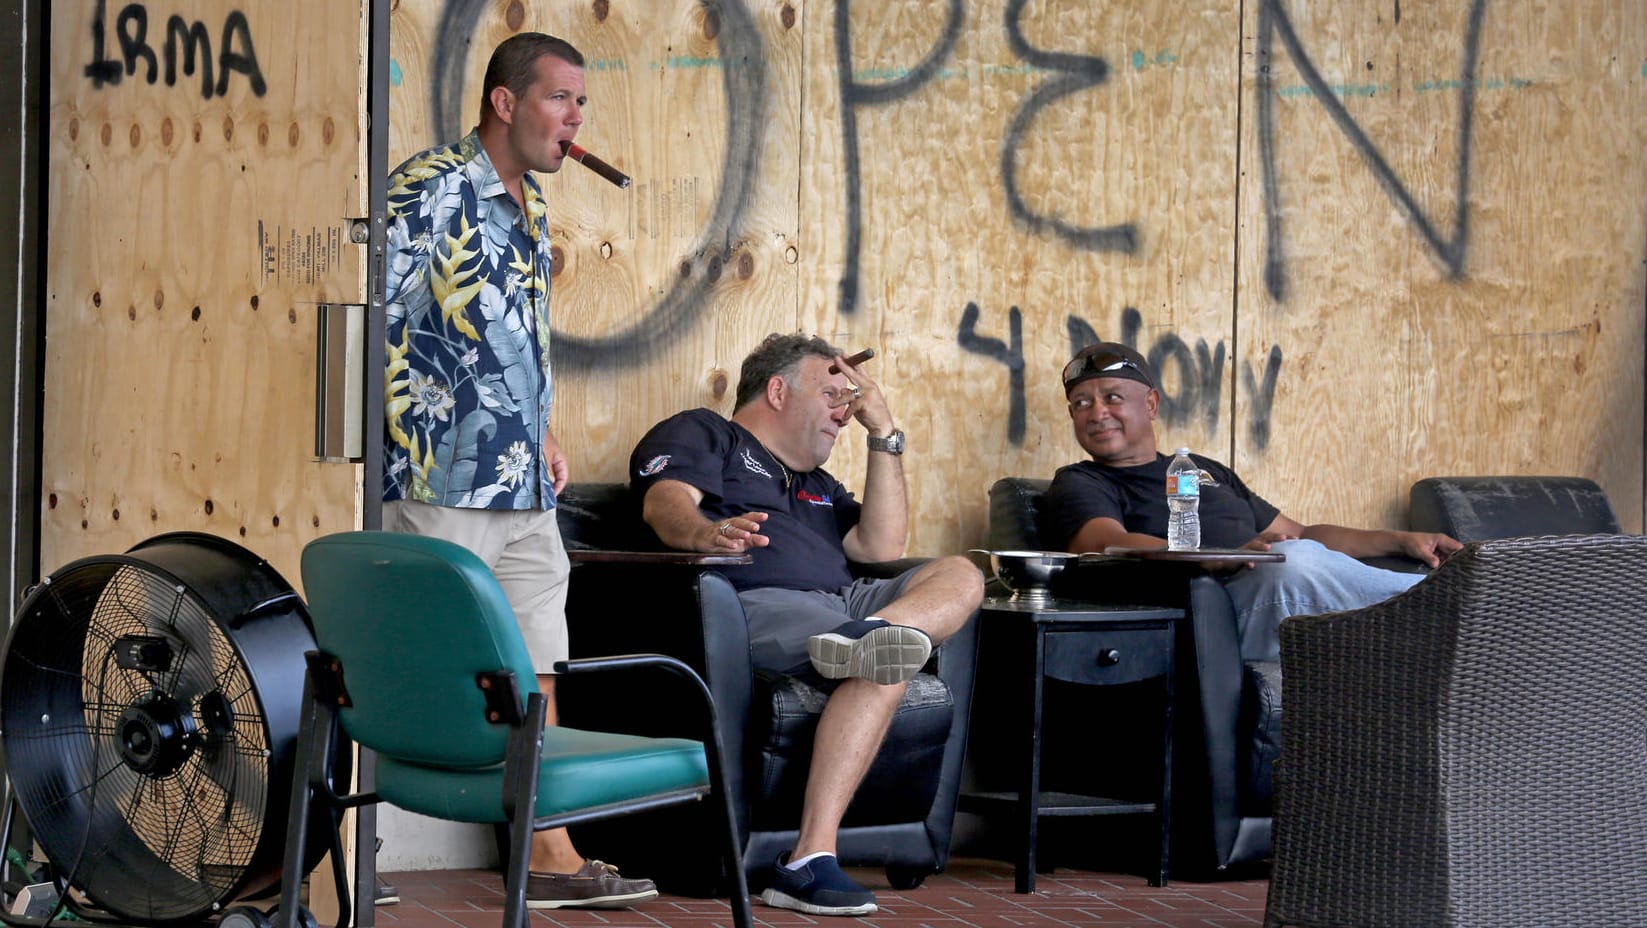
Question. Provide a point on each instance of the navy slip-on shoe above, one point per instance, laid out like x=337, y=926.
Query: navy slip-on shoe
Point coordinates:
x=817, y=887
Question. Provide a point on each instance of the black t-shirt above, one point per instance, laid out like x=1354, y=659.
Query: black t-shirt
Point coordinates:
x=808, y=512
x=1231, y=515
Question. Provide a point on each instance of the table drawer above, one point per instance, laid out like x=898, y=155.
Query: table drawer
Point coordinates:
x=1108, y=656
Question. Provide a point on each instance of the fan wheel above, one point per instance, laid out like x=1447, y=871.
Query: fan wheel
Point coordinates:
x=150, y=705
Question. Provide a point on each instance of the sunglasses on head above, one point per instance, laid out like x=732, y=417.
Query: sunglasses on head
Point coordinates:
x=1102, y=362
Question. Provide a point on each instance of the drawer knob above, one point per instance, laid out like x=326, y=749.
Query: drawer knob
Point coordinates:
x=1109, y=657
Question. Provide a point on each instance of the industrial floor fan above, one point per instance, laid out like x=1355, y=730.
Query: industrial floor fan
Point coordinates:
x=150, y=707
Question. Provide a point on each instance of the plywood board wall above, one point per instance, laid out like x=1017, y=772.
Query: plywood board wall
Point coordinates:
x=204, y=161
x=972, y=186
x=1442, y=241
x=1010, y=180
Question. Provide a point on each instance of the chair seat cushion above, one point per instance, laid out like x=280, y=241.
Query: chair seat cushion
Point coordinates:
x=578, y=770
x=900, y=783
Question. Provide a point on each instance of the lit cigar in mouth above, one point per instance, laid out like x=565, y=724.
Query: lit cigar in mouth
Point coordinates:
x=854, y=360
x=576, y=153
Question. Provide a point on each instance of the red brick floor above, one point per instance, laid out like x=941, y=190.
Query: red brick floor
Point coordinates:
x=972, y=893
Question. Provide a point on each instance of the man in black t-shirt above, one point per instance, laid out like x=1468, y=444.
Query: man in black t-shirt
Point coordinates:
x=1119, y=498
x=756, y=484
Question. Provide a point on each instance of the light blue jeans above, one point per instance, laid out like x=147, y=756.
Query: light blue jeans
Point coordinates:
x=1313, y=579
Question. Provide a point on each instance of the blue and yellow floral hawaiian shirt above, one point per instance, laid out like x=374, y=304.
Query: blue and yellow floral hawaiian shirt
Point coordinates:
x=467, y=390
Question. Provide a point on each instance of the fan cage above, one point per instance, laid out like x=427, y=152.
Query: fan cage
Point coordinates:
x=150, y=770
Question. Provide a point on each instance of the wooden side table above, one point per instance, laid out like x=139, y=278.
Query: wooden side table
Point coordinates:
x=1085, y=644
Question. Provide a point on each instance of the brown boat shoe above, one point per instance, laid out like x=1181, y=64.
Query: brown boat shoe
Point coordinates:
x=596, y=885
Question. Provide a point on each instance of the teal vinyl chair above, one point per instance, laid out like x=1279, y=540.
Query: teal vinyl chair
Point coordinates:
x=420, y=660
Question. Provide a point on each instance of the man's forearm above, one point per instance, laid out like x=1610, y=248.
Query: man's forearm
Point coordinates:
x=1098, y=534
x=883, y=528
x=1356, y=542
x=671, y=509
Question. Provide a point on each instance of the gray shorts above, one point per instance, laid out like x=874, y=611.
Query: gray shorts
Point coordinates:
x=524, y=551
x=781, y=620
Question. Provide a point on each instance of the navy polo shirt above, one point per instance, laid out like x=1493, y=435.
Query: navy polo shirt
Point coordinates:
x=808, y=512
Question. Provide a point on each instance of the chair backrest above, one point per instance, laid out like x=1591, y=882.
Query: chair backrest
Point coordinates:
x=1014, y=507
x=603, y=516
x=1488, y=508
x=1470, y=752
x=413, y=620
x=1543, y=726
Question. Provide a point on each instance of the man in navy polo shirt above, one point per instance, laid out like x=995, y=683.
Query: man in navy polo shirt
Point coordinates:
x=756, y=483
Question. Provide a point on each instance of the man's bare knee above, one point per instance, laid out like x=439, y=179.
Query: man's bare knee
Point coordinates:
x=955, y=575
x=943, y=593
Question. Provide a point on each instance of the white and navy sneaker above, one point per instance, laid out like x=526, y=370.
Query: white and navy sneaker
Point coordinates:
x=817, y=887
x=875, y=651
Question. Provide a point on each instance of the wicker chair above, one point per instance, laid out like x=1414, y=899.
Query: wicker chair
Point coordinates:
x=1472, y=752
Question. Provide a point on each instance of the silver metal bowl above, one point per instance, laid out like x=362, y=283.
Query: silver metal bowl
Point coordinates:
x=1029, y=574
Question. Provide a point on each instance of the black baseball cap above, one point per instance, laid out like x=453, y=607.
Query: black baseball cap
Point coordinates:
x=1107, y=359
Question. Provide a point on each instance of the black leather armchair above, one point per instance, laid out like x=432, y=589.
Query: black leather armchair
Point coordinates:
x=1229, y=733
x=1230, y=709
x=903, y=814
x=1489, y=508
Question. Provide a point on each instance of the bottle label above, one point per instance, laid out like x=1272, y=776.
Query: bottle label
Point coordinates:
x=1187, y=483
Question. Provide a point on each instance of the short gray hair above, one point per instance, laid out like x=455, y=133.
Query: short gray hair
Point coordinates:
x=778, y=356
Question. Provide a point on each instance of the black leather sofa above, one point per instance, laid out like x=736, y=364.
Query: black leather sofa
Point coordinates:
x=1229, y=723
x=903, y=813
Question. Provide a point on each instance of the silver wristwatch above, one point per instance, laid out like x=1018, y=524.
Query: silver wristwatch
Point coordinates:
x=892, y=444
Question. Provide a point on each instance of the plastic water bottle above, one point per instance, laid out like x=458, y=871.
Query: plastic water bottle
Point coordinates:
x=1183, y=503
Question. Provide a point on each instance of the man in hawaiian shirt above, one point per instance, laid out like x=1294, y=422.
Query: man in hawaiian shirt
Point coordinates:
x=469, y=454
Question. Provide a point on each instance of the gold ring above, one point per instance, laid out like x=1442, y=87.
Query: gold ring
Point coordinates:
x=725, y=528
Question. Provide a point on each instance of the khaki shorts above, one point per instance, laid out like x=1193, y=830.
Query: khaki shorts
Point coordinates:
x=524, y=551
